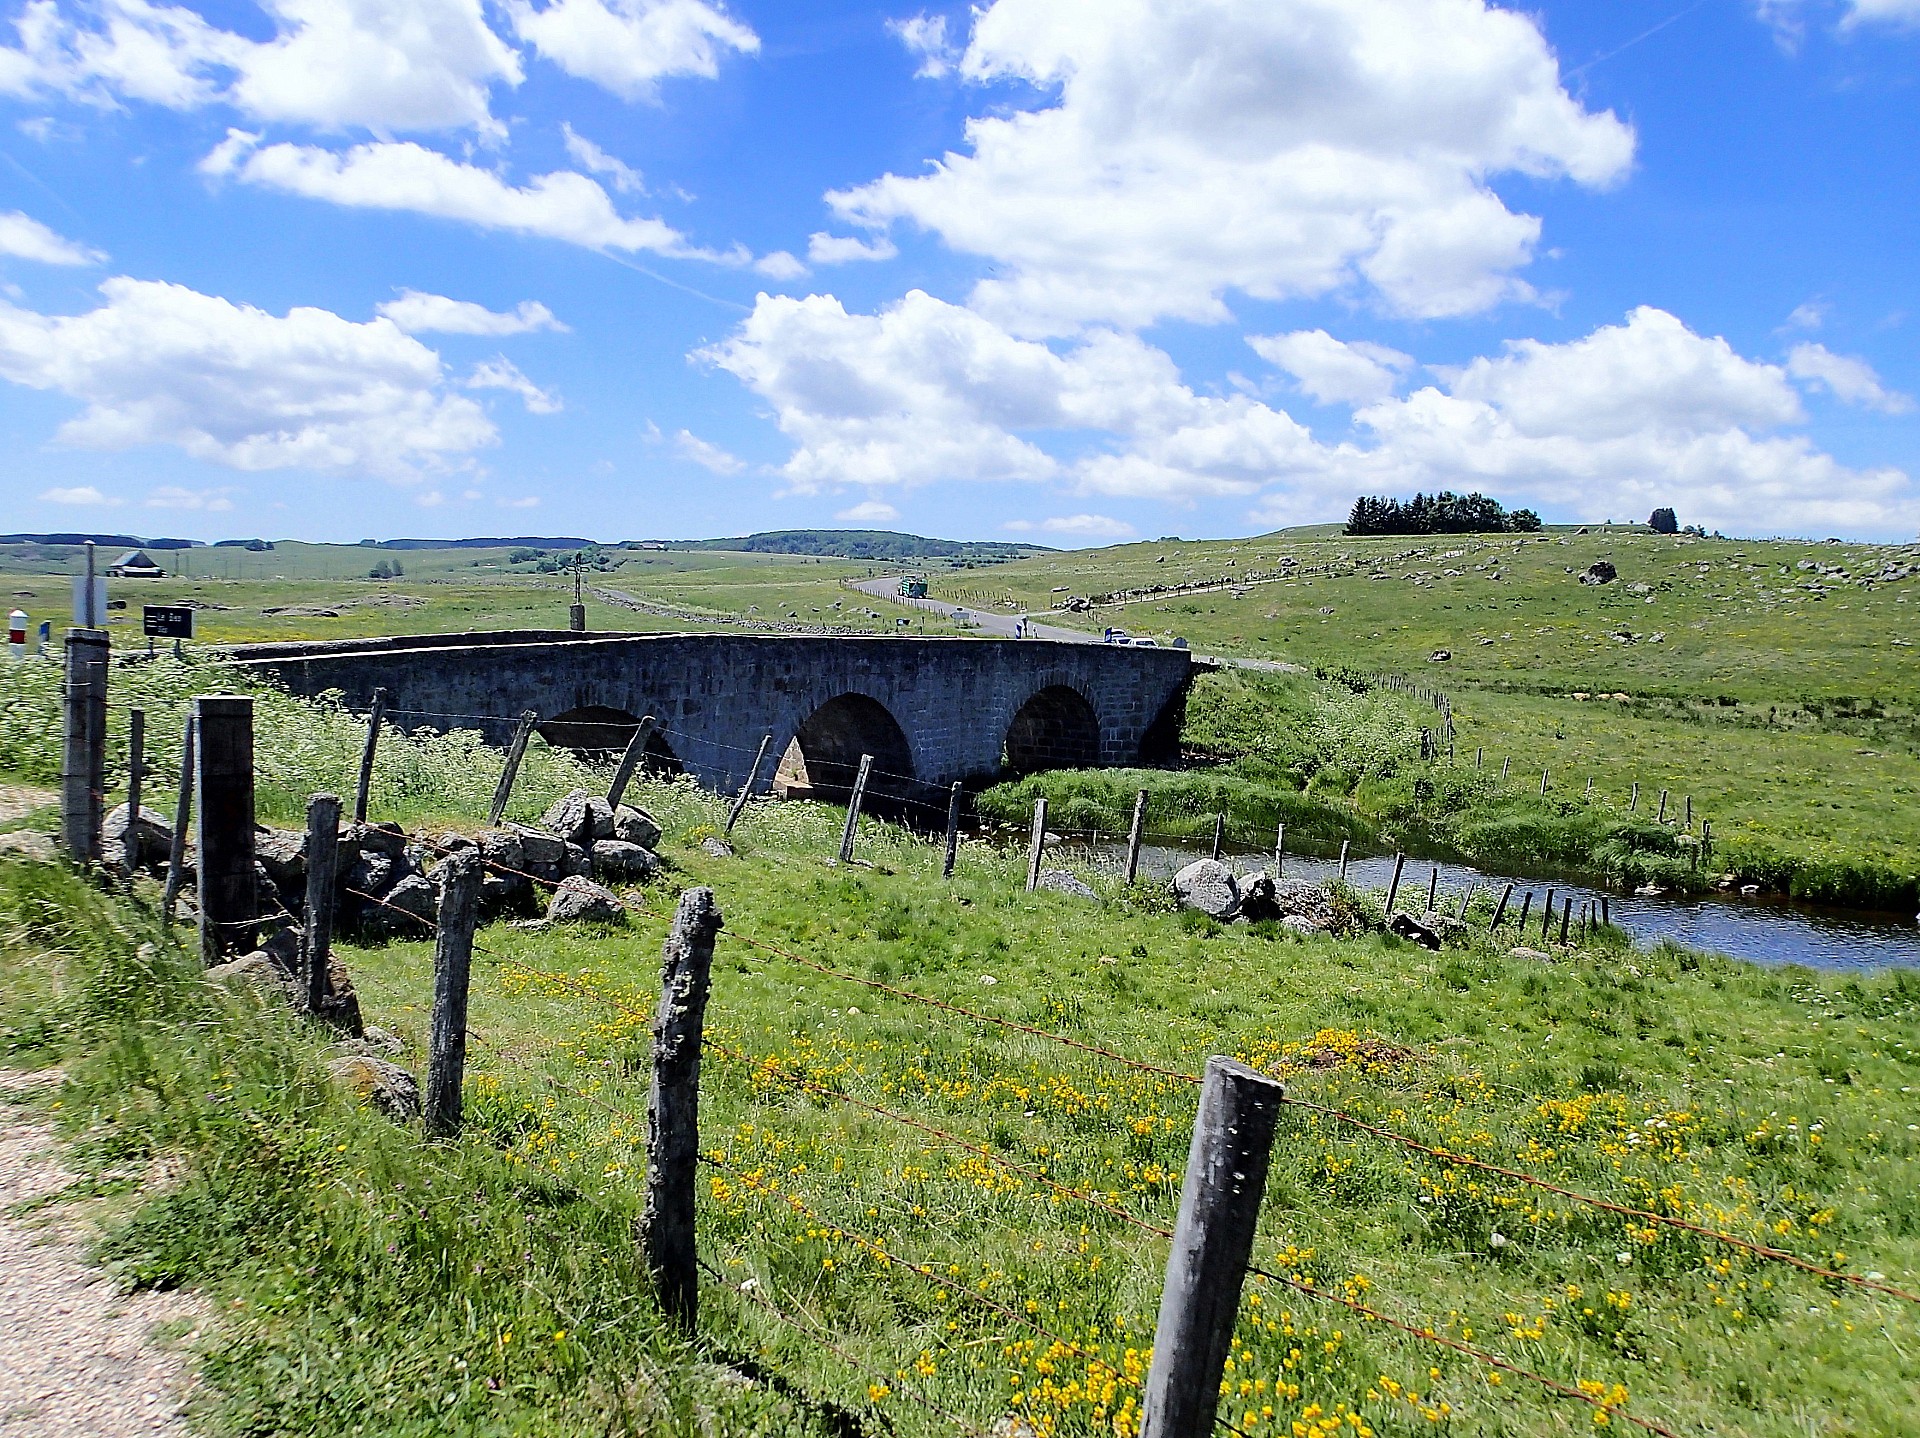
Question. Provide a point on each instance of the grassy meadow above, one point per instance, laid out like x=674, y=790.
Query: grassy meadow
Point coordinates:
x=367, y=1283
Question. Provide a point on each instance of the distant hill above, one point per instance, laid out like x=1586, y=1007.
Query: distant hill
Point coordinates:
x=879, y=544
x=117, y=541
x=524, y=541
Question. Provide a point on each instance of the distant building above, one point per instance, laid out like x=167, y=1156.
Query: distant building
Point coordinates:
x=135, y=564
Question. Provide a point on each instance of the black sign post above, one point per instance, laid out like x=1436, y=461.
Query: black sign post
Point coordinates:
x=165, y=621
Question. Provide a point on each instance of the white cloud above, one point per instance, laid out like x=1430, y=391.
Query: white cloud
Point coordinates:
x=1808, y=316
x=501, y=373
x=1892, y=12
x=417, y=312
x=780, y=266
x=1276, y=147
x=84, y=495
x=871, y=511
x=825, y=249
x=926, y=36
x=710, y=457
x=1846, y=378
x=1789, y=17
x=1631, y=416
x=25, y=238
x=1334, y=371
x=563, y=205
x=529, y=501
x=591, y=158
x=430, y=499
x=234, y=385
x=173, y=496
x=331, y=64
x=1088, y=526
x=629, y=46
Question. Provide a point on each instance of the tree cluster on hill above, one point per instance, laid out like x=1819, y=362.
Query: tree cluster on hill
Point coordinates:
x=1442, y=513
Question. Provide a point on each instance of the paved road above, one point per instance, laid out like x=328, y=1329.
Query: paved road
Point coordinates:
x=1008, y=626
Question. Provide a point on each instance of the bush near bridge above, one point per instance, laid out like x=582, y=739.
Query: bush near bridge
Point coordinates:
x=364, y=1282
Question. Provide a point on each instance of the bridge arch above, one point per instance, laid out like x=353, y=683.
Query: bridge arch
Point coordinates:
x=600, y=730
x=824, y=755
x=1056, y=728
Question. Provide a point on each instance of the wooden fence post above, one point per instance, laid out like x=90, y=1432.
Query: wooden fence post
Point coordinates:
x=1566, y=917
x=854, y=801
x=1479, y=758
x=223, y=728
x=1345, y=844
x=1433, y=887
x=1219, y=835
x=1135, y=830
x=1500, y=910
x=521, y=731
x=323, y=847
x=182, y=816
x=452, y=968
x=1220, y=1197
x=1037, y=848
x=1589, y=793
x=1633, y=804
x=1279, y=851
x=673, y=1106
x=1546, y=916
x=1526, y=907
x=84, y=748
x=1706, y=838
x=1505, y=765
x=1688, y=823
x=136, y=771
x=1543, y=782
x=746, y=789
x=375, y=716
x=953, y=831
x=1661, y=817
x=1393, y=889
x=1606, y=912
x=629, y=761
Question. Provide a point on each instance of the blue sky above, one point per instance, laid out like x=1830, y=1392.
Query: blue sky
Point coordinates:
x=1073, y=270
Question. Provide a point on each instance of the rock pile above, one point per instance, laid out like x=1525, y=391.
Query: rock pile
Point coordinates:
x=1210, y=887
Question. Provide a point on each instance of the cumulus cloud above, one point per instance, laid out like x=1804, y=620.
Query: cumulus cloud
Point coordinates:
x=596, y=161
x=1087, y=526
x=1789, y=18
x=233, y=385
x=1334, y=371
x=173, y=496
x=1633, y=415
x=871, y=511
x=926, y=37
x=779, y=266
x=825, y=249
x=25, y=238
x=629, y=46
x=331, y=64
x=81, y=495
x=390, y=175
x=417, y=312
x=1845, y=378
x=710, y=457
x=501, y=373
x=1276, y=147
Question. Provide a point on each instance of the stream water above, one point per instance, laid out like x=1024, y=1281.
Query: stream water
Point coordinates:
x=1763, y=930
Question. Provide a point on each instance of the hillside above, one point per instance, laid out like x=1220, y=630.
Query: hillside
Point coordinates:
x=873, y=544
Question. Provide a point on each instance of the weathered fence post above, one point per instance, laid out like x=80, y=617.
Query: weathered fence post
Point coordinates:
x=84, y=750
x=1606, y=912
x=521, y=732
x=1633, y=804
x=1566, y=917
x=136, y=771
x=1465, y=899
x=1589, y=793
x=1500, y=910
x=1219, y=835
x=375, y=717
x=1037, y=848
x=854, y=801
x=1526, y=907
x=629, y=761
x=1687, y=824
x=1505, y=766
x=746, y=789
x=673, y=1106
x=182, y=816
x=1135, y=830
x=1706, y=838
x=452, y=969
x=1546, y=916
x=1433, y=888
x=1345, y=844
x=323, y=846
x=953, y=831
x=1393, y=889
x=223, y=728
x=1543, y=782
x=1661, y=817
x=1479, y=758
x=1279, y=850
x=1220, y=1197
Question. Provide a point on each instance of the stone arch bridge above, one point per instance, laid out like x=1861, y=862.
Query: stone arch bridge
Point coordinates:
x=930, y=711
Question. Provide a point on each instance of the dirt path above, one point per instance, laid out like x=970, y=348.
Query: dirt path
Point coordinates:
x=17, y=801
x=76, y=1356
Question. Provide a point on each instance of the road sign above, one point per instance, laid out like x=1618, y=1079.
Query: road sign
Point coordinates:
x=89, y=616
x=163, y=621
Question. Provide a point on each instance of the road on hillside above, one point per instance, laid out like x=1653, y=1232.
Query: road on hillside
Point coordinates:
x=1010, y=626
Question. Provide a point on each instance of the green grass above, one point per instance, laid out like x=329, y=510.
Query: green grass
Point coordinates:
x=362, y=1278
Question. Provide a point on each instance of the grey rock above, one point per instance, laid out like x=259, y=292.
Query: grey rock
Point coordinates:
x=1601, y=571
x=1257, y=900
x=285, y=947
x=1059, y=881
x=383, y=1041
x=30, y=844
x=371, y=874
x=1410, y=928
x=617, y=859
x=1207, y=885
x=1521, y=951
x=384, y=1087
x=578, y=818
x=341, y=1006
x=580, y=900
x=155, y=836
x=452, y=843
x=716, y=847
x=636, y=826
x=283, y=853
x=575, y=859
x=385, y=838
x=542, y=853
x=257, y=974
x=407, y=911
x=1440, y=656
x=1300, y=924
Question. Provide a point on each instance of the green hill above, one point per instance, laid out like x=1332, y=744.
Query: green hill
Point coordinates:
x=875, y=544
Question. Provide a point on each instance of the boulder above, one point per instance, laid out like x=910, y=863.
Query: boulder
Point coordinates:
x=575, y=859
x=452, y=843
x=283, y=854
x=541, y=852
x=1207, y=885
x=1257, y=899
x=341, y=1007
x=1059, y=881
x=387, y=838
x=370, y=874
x=1440, y=656
x=155, y=836
x=384, y=1087
x=636, y=826
x=1521, y=951
x=1601, y=571
x=406, y=911
x=579, y=818
x=1300, y=924
x=1410, y=928
x=617, y=859
x=258, y=974
x=580, y=900
x=716, y=847
x=30, y=844
x=383, y=1041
